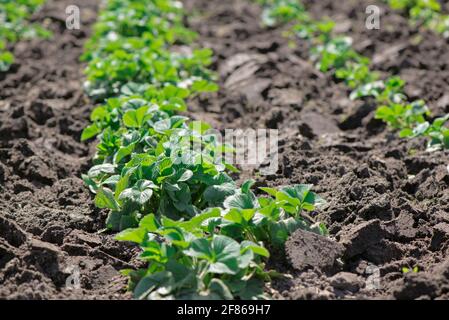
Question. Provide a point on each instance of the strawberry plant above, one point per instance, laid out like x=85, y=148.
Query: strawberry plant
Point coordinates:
x=219, y=252
x=162, y=176
x=14, y=27
x=335, y=54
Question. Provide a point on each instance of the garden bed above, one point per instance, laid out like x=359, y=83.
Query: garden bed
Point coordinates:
x=387, y=207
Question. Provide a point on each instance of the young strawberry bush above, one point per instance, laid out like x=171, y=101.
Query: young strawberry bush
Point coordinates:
x=219, y=253
x=14, y=26
x=333, y=53
x=163, y=177
x=424, y=12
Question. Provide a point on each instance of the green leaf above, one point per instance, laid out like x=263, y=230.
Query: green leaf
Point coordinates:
x=257, y=249
x=245, y=258
x=6, y=60
x=105, y=199
x=105, y=168
x=200, y=248
x=218, y=287
x=204, y=86
x=146, y=285
x=240, y=216
x=270, y=191
x=149, y=223
x=93, y=186
x=90, y=132
x=216, y=194
x=136, y=235
x=249, y=290
x=298, y=191
x=439, y=122
x=228, y=266
x=112, y=181
x=130, y=119
x=222, y=253
x=135, y=118
x=404, y=133
x=225, y=250
x=196, y=221
x=186, y=176
x=140, y=193
x=240, y=201
x=121, y=185
x=246, y=186
x=123, y=152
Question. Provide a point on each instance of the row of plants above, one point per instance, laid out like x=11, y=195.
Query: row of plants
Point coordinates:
x=334, y=53
x=427, y=13
x=14, y=26
x=163, y=177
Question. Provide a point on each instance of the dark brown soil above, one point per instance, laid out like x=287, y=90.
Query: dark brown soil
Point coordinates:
x=48, y=223
x=388, y=200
